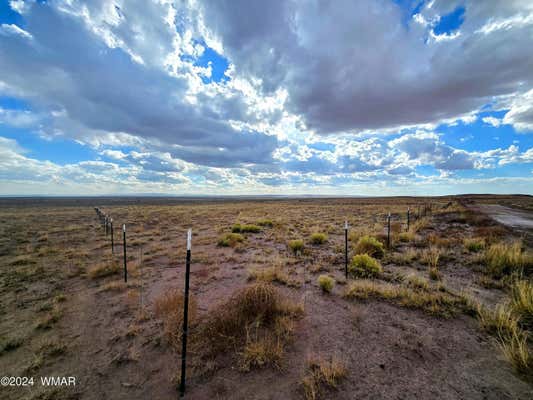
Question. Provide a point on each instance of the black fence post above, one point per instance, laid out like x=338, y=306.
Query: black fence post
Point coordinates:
x=125, y=264
x=185, y=314
x=346, y=248
x=112, y=238
x=388, y=231
x=408, y=218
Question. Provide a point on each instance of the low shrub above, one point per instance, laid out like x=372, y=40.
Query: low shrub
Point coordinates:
x=326, y=283
x=238, y=228
x=230, y=239
x=260, y=304
x=296, y=246
x=369, y=245
x=319, y=238
x=265, y=222
x=474, y=244
x=364, y=266
x=431, y=257
x=269, y=274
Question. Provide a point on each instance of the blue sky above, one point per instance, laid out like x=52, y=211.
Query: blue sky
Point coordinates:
x=364, y=98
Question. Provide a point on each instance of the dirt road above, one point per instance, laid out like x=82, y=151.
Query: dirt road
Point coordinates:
x=510, y=217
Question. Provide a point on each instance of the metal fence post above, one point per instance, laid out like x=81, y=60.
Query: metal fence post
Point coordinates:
x=112, y=238
x=185, y=314
x=408, y=218
x=346, y=249
x=125, y=264
x=388, y=231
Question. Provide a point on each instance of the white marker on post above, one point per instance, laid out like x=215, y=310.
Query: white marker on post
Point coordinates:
x=124, y=228
x=345, y=224
x=189, y=238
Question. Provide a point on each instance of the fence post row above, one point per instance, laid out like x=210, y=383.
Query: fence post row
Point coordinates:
x=124, y=242
x=346, y=248
x=185, y=314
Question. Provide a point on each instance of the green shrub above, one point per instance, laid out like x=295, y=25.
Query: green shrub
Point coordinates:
x=406, y=237
x=265, y=222
x=296, y=246
x=363, y=265
x=319, y=238
x=230, y=239
x=326, y=283
x=474, y=245
x=236, y=228
x=369, y=245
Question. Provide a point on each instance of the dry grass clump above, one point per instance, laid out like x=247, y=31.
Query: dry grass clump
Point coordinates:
x=322, y=375
x=500, y=321
x=319, y=238
x=474, y=244
x=230, y=239
x=431, y=257
x=10, y=344
x=369, y=245
x=261, y=351
x=258, y=306
x=522, y=303
x=238, y=228
x=436, y=303
x=420, y=224
x=326, y=283
x=511, y=324
x=270, y=274
x=504, y=259
x=516, y=350
x=417, y=282
x=265, y=222
x=405, y=257
x=296, y=246
x=364, y=266
x=405, y=237
x=104, y=269
x=169, y=308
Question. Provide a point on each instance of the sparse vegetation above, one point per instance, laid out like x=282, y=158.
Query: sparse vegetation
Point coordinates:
x=369, y=245
x=238, y=228
x=230, y=239
x=474, y=244
x=319, y=238
x=364, y=266
x=169, y=308
x=322, y=375
x=104, y=269
x=504, y=259
x=326, y=283
x=266, y=223
x=436, y=303
x=522, y=303
x=296, y=246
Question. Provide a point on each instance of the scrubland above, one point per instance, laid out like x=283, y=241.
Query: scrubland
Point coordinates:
x=444, y=311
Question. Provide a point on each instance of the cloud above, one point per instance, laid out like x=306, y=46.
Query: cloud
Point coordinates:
x=105, y=89
x=351, y=66
x=520, y=114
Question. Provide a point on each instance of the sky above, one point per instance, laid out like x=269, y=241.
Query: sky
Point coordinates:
x=240, y=97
